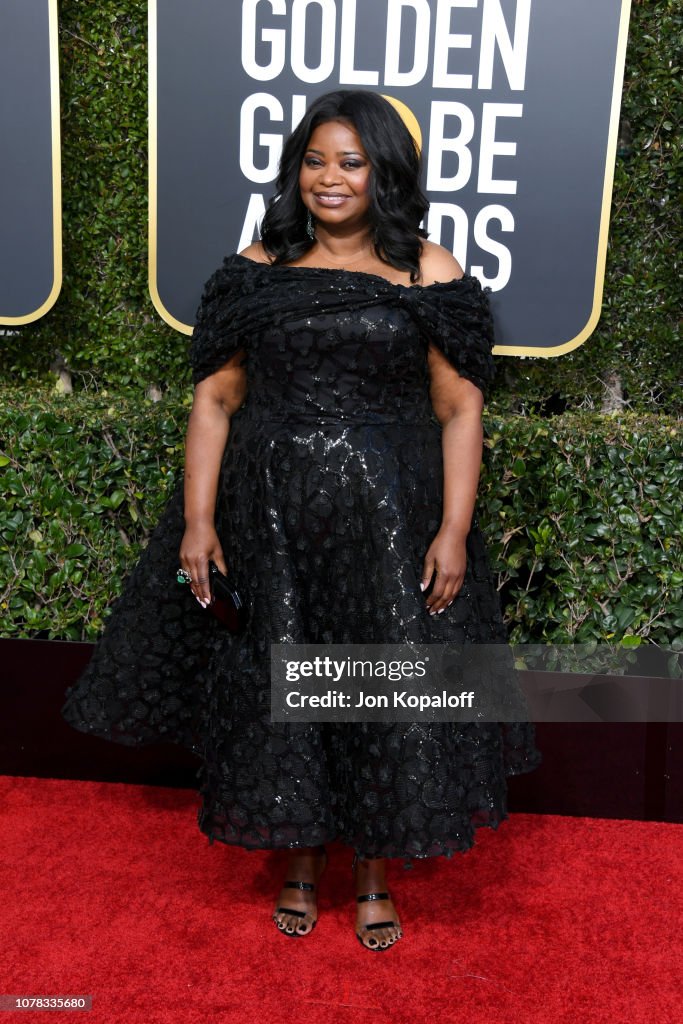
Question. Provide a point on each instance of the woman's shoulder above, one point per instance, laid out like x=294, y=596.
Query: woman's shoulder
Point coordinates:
x=256, y=253
x=238, y=274
x=450, y=302
x=445, y=288
x=455, y=315
x=438, y=265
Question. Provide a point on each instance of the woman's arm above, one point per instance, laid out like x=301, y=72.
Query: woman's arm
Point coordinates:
x=216, y=398
x=458, y=405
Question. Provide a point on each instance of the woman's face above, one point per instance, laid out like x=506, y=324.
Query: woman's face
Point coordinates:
x=335, y=176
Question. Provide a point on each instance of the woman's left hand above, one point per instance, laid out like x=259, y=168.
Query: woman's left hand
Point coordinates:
x=447, y=556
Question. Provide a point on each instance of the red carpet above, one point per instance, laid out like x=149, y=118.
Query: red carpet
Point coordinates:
x=110, y=890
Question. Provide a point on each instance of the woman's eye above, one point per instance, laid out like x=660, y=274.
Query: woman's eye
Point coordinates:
x=348, y=165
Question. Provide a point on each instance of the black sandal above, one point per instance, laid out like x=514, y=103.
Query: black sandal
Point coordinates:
x=377, y=948
x=303, y=914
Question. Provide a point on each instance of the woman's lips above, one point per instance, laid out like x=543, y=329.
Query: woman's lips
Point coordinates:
x=330, y=198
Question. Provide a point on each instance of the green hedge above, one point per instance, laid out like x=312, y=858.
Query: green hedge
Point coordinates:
x=582, y=514
x=82, y=480
x=106, y=331
x=585, y=521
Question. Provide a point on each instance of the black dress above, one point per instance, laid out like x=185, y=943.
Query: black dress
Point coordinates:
x=329, y=495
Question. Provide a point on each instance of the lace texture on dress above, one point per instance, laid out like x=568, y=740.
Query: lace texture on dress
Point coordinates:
x=330, y=492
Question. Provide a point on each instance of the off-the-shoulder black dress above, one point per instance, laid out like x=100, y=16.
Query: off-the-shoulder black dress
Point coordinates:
x=329, y=495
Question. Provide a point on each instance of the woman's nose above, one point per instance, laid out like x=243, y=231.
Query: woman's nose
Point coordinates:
x=329, y=176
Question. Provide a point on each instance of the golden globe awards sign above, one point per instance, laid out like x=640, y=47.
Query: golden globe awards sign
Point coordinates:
x=515, y=104
x=30, y=194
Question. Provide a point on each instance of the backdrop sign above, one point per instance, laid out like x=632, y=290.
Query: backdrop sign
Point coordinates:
x=30, y=196
x=516, y=103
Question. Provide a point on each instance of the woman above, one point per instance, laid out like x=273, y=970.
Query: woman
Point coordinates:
x=332, y=461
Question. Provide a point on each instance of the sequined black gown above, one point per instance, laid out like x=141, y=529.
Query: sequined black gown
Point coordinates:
x=329, y=496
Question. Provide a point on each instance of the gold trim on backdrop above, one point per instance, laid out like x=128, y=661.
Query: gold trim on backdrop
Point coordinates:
x=603, y=236
x=153, y=171
x=11, y=321
x=502, y=350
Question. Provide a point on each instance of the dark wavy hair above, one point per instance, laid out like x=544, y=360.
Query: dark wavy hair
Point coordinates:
x=397, y=202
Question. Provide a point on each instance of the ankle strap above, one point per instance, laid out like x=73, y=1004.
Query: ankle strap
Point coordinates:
x=305, y=886
x=372, y=896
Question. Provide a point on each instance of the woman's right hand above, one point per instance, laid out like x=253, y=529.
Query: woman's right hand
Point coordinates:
x=199, y=546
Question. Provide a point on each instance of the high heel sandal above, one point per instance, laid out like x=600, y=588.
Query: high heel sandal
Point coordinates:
x=373, y=926
x=303, y=914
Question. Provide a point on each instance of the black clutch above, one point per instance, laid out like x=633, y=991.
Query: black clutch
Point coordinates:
x=226, y=602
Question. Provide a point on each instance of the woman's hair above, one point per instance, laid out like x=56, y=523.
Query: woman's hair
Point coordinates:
x=397, y=202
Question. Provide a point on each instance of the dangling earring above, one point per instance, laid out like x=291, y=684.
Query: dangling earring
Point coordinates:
x=310, y=230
